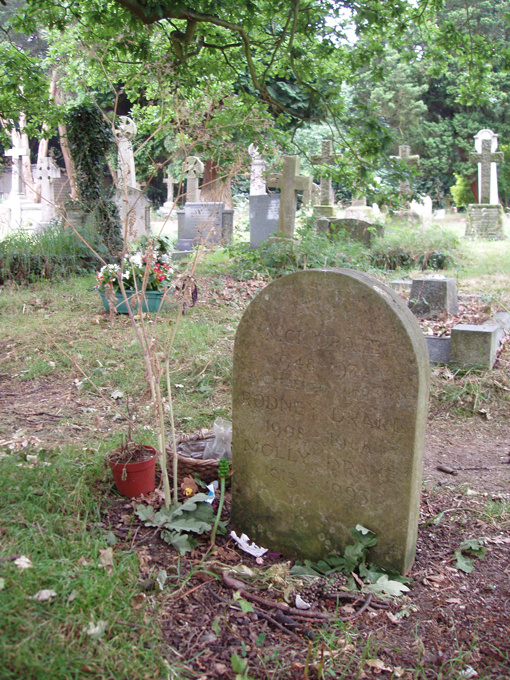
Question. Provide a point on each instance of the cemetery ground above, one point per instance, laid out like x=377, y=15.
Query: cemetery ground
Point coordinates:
x=81, y=578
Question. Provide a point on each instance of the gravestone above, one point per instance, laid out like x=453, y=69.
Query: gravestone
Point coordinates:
x=330, y=388
x=326, y=208
x=258, y=168
x=192, y=168
x=17, y=195
x=485, y=218
x=135, y=212
x=264, y=217
x=206, y=223
x=169, y=203
x=356, y=229
x=432, y=295
x=124, y=134
x=289, y=181
x=406, y=215
x=47, y=171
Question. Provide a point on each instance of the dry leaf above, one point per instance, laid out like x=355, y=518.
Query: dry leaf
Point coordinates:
x=96, y=630
x=392, y=618
x=106, y=558
x=189, y=486
x=44, y=595
x=82, y=562
x=377, y=665
x=23, y=562
x=137, y=601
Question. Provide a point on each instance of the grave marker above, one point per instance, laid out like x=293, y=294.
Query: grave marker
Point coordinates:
x=192, y=168
x=330, y=388
x=326, y=157
x=485, y=218
x=289, y=181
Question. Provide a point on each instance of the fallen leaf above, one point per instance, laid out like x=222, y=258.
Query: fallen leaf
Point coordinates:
x=23, y=562
x=2, y=583
x=106, y=557
x=82, y=562
x=189, y=486
x=393, y=618
x=96, y=630
x=301, y=604
x=378, y=665
x=137, y=601
x=44, y=595
x=72, y=596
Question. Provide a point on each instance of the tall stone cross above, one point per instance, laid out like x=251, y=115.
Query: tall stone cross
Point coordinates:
x=17, y=188
x=289, y=181
x=169, y=181
x=124, y=133
x=192, y=168
x=404, y=154
x=48, y=172
x=487, y=157
x=326, y=157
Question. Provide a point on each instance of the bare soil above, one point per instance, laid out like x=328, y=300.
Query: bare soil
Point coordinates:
x=450, y=624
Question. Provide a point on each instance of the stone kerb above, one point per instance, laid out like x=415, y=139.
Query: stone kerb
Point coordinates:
x=330, y=389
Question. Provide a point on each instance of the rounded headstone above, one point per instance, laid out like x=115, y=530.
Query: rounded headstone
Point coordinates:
x=330, y=392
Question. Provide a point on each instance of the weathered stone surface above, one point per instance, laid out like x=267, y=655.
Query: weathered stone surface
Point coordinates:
x=432, y=295
x=330, y=394
x=439, y=349
x=135, y=212
x=485, y=221
x=475, y=345
x=289, y=181
x=358, y=230
x=401, y=285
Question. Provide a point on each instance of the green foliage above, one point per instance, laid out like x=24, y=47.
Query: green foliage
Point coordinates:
x=180, y=521
x=462, y=192
x=55, y=252
x=283, y=257
x=90, y=137
x=472, y=546
x=411, y=248
x=355, y=560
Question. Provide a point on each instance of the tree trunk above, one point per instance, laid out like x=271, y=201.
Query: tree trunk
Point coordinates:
x=212, y=188
x=68, y=160
x=43, y=142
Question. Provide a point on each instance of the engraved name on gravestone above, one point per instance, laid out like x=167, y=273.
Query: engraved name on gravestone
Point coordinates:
x=329, y=417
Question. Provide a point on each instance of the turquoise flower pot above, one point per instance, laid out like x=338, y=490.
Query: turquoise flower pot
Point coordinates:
x=151, y=301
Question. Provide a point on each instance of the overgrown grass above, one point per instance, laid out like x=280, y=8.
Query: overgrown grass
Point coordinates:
x=51, y=514
x=415, y=247
x=53, y=253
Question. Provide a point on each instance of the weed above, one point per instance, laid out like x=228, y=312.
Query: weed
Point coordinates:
x=411, y=248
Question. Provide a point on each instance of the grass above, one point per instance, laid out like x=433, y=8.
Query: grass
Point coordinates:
x=50, y=513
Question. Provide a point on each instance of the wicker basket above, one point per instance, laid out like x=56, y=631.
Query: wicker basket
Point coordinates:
x=188, y=465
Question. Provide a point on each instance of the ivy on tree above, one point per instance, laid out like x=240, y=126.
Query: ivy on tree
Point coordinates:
x=90, y=138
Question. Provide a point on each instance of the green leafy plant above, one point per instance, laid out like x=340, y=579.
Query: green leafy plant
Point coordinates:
x=179, y=522
x=471, y=546
x=354, y=559
x=431, y=248
x=223, y=472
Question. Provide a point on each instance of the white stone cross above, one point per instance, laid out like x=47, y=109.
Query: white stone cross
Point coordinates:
x=47, y=172
x=326, y=157
x=192, y=168
x=16, y=153
x=486, y=143
x=289, y=181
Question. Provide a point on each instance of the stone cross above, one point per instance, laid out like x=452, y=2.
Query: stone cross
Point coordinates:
x=47, y=172
x=404, y=154
x=486, y=143
x=289, y=181
x=16, y=153
x=326, y=157
x=192, y=168
x=169, y=181
x=124, y=133
x=258, y=167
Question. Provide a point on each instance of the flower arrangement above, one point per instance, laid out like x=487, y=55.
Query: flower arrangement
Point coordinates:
x=149, y=262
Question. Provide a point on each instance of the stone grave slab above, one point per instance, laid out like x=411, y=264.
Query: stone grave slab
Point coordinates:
x=432, y=295
x=475, y=345
x=485, y=221
x=401, y=285
x=357, y=230
x=439, y=349
x=330, y=389
x=264, y=216
x=135, y=212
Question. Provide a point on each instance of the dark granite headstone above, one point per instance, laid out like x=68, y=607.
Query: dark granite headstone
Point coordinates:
x=330, y=388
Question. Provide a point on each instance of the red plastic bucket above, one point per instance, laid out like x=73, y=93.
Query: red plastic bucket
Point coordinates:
x=133, y=479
